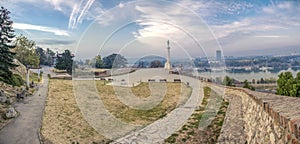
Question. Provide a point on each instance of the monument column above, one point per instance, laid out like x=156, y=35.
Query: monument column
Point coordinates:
x=168, y=65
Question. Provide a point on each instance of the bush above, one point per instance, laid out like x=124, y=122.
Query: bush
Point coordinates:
x=17, y=80
x=248, y=86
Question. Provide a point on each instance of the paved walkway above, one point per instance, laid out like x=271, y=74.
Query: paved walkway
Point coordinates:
x=233, y=127
x=25, y=128
x=163, y=128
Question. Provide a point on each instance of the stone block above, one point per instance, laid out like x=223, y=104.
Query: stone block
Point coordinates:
x=11, y=113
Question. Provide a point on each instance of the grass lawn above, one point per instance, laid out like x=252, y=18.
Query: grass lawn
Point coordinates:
x=177, y=93
x=64, y=123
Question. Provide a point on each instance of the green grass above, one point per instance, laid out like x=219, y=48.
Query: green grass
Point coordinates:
x=34, y=77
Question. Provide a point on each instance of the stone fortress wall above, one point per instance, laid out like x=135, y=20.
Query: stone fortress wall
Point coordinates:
x=255, y=117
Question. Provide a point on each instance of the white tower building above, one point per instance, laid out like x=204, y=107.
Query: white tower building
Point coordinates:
x=168, y=65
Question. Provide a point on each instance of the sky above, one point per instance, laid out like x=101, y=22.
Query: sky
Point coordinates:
x=195, y=28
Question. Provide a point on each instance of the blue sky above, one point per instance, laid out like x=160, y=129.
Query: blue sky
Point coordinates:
x=138, y=28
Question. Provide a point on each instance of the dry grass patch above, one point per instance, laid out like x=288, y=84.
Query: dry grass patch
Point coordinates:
x=177, y=93
x=62, y=121
x=190, y=132
x=142, y=90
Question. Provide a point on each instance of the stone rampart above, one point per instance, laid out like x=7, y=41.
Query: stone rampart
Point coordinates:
x=267, y=118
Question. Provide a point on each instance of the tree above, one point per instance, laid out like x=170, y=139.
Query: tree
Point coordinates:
x=141, y=64
x=156, y=64
x=248, y=86
x=228, y=81
x=6, y=55
x=26, y=52
x=42, y=54
x=297, y=81
x=253, y=81
x=65, y=62
x=286, y=84
x=45, y=56
x=262, y=81
x=50, y=54
x=96, y=62
x=114, y=61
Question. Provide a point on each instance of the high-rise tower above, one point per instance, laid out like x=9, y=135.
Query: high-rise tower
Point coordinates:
x=168, y=65
x=218, y=55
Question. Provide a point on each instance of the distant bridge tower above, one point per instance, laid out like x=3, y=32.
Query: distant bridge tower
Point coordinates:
x=168, y=65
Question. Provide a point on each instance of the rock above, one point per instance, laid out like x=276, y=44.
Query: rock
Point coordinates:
x=21, y=69
x=3, y=96
x=3, y=99
x=2, y=93
x=11, y=113
x=272, y=138
x=8, y=100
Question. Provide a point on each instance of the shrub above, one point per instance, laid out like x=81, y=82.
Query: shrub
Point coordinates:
x=17, y=80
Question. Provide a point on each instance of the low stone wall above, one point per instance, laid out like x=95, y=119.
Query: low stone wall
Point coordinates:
x=269, y=118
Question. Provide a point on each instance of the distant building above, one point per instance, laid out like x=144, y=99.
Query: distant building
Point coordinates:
x=218, y=55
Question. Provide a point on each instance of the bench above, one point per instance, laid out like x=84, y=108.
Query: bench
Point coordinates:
x=177, y=80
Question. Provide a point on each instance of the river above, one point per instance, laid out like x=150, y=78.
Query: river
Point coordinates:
x=245, y=76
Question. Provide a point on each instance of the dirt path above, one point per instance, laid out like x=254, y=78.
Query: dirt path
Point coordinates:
x=25, y=128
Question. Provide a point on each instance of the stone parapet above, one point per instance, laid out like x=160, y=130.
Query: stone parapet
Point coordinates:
x=269, y=118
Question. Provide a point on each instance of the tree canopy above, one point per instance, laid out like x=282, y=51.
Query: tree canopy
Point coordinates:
x=6, y=55
x=156, y=64
x=114, y=61
x=288, y=85
x=96, y=62
x=228, y=81
x=45, y=56
x=26, y=52
x=248, y=86
x=65, y=62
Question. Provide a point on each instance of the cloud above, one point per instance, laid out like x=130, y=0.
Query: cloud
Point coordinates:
x=84, y=10
x=235, y=24
x=59, y=5
x=78, y=12
x=55, y=42
x=62, y=5
x=269, y=36
x=121, y=5
x=23, y=26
